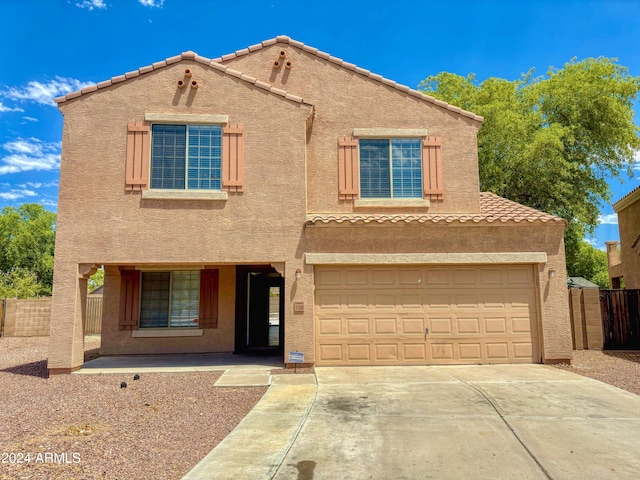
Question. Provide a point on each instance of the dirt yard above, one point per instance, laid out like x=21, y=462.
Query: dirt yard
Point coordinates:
x=86, y=426
x=618, y=368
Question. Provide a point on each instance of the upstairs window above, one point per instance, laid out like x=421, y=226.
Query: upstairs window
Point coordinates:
x=391, y=168
x=186, y=157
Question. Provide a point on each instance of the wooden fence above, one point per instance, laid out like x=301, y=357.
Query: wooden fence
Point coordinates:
x=621, y=319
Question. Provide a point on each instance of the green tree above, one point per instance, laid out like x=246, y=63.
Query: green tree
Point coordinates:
x=27, y=239
x=550, y=142
x=96, y=280
x=19, y=283
x=590, y=263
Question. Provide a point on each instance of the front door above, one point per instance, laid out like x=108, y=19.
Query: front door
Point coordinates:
x=259, y=310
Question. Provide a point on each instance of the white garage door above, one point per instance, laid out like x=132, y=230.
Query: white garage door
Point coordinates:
x=380, y=315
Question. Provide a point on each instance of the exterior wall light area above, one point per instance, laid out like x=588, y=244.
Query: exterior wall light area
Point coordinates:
x=298, y=273
x=552, y=272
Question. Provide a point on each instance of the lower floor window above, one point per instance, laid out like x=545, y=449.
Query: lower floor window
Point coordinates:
x=170, y=299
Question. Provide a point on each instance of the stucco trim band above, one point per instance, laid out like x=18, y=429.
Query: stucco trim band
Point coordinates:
x=188, y=332
x=185, y=118
x=392, y=202
x=390, y=132
x=423, y=258
x=165, y=194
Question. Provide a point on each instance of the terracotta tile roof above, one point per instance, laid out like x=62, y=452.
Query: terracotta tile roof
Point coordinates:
x=183, y=56
x=627, y=200
x=348, y=66
x=492, y=209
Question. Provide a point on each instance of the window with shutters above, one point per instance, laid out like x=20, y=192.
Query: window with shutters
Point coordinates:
x=390, y=168
x=175, y=299
x=407, y=167
x=189, y=156
x=186, y=157
x=170, y=299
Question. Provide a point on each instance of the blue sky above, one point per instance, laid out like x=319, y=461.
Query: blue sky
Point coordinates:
x=52, y=47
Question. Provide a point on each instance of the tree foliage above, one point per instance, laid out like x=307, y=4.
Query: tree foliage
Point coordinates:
x=27, y=239
x=96, y=280
x=551, y=142
x=590, y=263
x=19, y=283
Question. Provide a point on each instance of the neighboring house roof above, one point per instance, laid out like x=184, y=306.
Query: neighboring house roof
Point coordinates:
x=349, y=66
x=492, y=209
x=217, y=64
x=628, y=199
x=579, y=282
x=183, y=56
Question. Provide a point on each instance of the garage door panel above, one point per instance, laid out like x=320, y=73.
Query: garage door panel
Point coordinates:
x=385, y=326
x=441, y=351
x=496, y=325
x=438, y=277
x=358, y=326
x=384, y=301
x=330, y=326
x=412, y=326
x=356, y=277
x=359, y=352
x=470, y=352
x=522, y=350
x=387, y=351
x=441, y=326
x=519, y=276
x=383, y=276
x=521, y=325
x=464, y=276
x=414, y=352
x=330, y=353
x=497, y=351
x=372, y=315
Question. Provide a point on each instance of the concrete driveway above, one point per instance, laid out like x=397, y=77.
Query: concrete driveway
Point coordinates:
x=462, y=422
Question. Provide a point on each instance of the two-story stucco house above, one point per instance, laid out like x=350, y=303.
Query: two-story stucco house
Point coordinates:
x=278, y=198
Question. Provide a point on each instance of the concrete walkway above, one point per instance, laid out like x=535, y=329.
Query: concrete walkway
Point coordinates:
x=480, y=422
x=178, y=363
x=255, y=449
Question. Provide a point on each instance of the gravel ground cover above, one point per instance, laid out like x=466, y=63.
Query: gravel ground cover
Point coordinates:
x=87, y=427
x=618, y=368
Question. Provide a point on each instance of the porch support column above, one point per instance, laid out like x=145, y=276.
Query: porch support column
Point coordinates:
x=68, y=312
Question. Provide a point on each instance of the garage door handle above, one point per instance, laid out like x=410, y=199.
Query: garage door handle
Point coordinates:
x=426, y=331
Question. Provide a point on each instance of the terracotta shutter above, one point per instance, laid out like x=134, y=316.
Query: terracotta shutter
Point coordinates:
x=209, y=279
x=348, y=168
x=233, y=158
x=137, y=166
x=129, y=299
x=432, y=167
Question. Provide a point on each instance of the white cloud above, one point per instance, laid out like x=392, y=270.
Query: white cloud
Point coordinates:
x=30, y=119
x=636, y=159
x=15, y=194
x=91, y=4
x=151, y=3
x=591, y=241
x=608, y=219
x=49, y=203
x=44, y=93
x=30, y=154
x=4, y=108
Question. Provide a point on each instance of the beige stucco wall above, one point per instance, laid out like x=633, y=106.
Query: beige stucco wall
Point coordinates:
x=345, y=100
x=629, y=227
x=98, y=223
